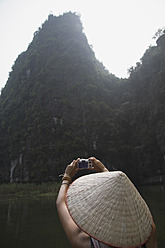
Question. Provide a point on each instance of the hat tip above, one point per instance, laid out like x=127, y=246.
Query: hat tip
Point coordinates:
x=122, y=174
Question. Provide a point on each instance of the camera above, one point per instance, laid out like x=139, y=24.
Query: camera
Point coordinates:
x=84, y=164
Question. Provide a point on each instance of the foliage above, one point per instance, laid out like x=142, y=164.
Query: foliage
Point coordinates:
x=20, y=190
x=60, y=103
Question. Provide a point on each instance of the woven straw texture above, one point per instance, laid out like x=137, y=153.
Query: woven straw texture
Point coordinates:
x=108, y=207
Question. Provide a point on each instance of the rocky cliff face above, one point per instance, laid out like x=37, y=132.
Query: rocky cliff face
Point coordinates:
x=61, y=103
x=46, y=104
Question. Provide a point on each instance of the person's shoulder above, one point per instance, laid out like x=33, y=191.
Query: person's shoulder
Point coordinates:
x=81, y=241
x=152, y=241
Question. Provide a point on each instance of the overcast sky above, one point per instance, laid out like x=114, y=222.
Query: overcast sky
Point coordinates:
x=120, y=31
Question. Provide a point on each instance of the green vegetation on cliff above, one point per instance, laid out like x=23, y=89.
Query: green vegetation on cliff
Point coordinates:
x=60, y=103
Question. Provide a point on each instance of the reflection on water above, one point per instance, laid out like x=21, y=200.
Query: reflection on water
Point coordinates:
x=35, y=223
x=28, y=224
x=155, y=198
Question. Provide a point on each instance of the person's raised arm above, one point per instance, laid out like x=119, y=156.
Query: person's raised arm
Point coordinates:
x=98, y=166
x=70, y=171
x=77, y=238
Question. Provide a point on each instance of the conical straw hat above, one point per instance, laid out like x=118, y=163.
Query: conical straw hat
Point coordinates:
x=109, y=208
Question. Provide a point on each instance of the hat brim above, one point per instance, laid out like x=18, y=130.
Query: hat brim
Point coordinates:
x=109, y=208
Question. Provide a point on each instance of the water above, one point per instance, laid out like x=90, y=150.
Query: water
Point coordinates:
x=35, y=223
x=155, y=198
x=31, y=224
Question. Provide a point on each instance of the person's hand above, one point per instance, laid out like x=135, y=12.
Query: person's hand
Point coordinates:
x=97, y=165
x=71, y=169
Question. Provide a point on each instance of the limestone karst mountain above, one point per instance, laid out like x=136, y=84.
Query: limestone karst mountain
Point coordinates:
x=61, y=103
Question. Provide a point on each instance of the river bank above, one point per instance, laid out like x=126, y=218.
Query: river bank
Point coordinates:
x=12, y=191
x=28, y=190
